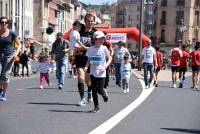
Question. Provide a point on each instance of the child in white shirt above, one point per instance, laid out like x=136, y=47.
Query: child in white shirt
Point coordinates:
x=125, y=73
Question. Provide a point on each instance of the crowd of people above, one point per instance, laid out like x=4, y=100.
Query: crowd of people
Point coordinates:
x=94, y=60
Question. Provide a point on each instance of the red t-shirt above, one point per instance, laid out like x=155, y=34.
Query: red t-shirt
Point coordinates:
x=176, y=54
x=183, y=63
x=195, y=55
x=159, y=57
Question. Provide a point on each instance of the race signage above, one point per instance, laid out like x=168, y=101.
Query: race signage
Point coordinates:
x=116, y=37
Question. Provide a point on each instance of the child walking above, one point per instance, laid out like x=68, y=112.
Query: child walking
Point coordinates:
x=126, y=73
x=44, y=70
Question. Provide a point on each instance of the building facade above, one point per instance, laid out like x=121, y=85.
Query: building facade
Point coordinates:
x=171, y=15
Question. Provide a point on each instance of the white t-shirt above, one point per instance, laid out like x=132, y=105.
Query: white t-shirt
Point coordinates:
x=74, y=37
x=97, y=57
x=119, y=54
x=125, y=71
x=148, y=53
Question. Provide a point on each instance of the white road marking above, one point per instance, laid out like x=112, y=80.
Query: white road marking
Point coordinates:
x=19, y=89
x=113, y=121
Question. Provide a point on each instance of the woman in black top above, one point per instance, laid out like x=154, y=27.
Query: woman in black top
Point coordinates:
x=9, y=48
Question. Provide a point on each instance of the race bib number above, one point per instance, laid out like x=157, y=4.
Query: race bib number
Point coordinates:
x=86, y=41
x=148, y=54
x=126, y=72
x=119, y=54
x=96, y=59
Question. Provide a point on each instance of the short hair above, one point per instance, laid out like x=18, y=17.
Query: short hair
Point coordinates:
x=89, y=14
x=59, y=34
x=76, y=22
x=184, y=46
x=196, y=47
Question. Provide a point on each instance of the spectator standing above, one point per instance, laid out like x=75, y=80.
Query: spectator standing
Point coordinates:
x=24, y=61
x=16, y=65
x=149, y=60
x=9, y=48
x=176, y=55
x=59, y=50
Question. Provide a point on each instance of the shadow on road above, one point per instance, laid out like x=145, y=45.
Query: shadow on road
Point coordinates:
x=51, y=103
x=69, y=111
x=192, y=131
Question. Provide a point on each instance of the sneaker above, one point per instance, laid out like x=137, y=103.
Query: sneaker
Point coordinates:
x=96, y=110
x=146, y=87
x=127, y=90
x=119, y=85
x=196, y=87
x=156, y=85
x=41, y=87
x=174, y=86
x=60, y=86
x=124, y=91
x=3, y=97
x=82, y=102
x=180, y=85
x=105, y=95
x=151, y=85
x=89, y=99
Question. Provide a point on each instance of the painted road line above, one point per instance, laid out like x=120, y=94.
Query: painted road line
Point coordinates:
x=19, y=89
x=113, y=121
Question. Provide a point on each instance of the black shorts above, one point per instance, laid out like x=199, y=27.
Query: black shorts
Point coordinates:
x=81, y=61
x=195, y=68
x=175, y=68
x=157, y=69
x=182, y=70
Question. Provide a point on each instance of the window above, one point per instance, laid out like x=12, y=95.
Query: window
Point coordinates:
x=179, y=17
x=163, y=18
x=1, y=8
x=196, y=18
x=130, y=18
x=163, y=3
x=162, y=36
x=180, y=2
x=197, y=3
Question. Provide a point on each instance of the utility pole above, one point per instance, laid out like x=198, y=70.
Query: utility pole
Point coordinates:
x=140, y=36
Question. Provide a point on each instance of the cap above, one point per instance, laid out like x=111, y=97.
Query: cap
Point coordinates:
x=98, y=34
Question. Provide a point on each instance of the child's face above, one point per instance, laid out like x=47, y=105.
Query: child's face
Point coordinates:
x=125, y=60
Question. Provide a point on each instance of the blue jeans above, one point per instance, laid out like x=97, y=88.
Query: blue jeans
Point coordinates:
x=6, y=62
x=61, y=66
x=118, y=72
x=148, y=67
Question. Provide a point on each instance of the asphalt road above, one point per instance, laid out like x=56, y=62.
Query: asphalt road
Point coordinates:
x=30, y=110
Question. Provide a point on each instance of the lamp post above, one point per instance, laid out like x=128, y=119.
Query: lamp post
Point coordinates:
x=42, y=29
x=140, y=36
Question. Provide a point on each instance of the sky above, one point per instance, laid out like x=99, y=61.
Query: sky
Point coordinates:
x=97, y=2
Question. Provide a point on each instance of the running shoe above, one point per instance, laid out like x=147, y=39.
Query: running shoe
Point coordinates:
x=105, y=95
x=146, y=87
x=89, y=99
x=197, y=88
x=180, y=85
x=60, y=86
x=124, y=91
x=41, y=87
x=96, y=110
x=82, y=102
x=127, y=90
x=174, y=86
x=3, y=97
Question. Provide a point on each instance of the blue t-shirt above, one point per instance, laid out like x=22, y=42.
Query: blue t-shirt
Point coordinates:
x=6, y=43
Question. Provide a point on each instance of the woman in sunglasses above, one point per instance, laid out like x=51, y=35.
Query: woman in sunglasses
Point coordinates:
x=9, y=48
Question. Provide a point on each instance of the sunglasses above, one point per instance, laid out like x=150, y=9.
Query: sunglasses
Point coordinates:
x=4, y=22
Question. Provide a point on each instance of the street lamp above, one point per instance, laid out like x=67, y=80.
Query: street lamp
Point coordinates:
x=140, y=36
x=42, y=29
